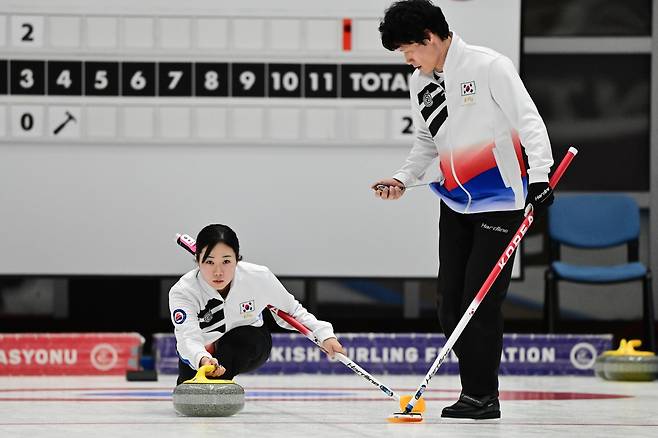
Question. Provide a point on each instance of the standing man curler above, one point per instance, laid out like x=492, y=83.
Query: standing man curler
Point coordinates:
x=472, y=112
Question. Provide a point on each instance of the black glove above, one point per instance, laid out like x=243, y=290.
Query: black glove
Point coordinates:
x=540, y=195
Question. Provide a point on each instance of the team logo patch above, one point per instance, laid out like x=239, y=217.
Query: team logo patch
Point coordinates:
x=427, y=99
x=207, y=317
x=468, y=88
x=247, y=306
x=179, y=316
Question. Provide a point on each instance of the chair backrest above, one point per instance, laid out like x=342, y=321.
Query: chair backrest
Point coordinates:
x=594, y=221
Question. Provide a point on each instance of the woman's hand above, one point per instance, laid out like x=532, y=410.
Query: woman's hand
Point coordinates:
x=332, y=346
x=218, y=371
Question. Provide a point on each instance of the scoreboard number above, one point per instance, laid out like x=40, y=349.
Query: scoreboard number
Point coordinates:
x=27, y=121
x=315, y=78
x=285, y=80
x=321, y=80
x=64, y=78
x=138, y=81
x=408, y=125
x=27, y=30
x=402, y=127
x=101, y=78
x=100, y=81
x=211, y=79
x=288, y=81
x=248, y=80
x=175, y=79
x=26, y=78
x=138, y=78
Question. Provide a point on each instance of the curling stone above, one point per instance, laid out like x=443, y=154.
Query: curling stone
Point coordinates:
x=599, y=363
x=627, y=364
x=203, y=397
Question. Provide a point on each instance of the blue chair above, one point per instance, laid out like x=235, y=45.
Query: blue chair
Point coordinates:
x=594, y=222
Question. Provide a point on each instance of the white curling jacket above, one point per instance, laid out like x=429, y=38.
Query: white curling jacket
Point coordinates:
x=476, y=127
x=200, y=315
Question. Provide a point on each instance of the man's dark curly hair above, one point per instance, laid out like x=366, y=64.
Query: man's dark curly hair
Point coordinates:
x=407, y=22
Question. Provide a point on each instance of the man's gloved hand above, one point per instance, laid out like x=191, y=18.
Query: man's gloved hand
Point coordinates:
x=540, y=195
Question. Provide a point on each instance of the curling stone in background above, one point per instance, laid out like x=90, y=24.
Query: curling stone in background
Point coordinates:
x=203, y=397
x=599, y=363
x=627, y=364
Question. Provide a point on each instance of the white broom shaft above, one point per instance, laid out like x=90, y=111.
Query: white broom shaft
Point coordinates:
x=349, y=363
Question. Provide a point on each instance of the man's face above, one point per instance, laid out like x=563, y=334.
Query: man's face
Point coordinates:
x=428, y=56
x=423, y=56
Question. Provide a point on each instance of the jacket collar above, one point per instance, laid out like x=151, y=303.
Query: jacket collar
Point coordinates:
x=455, y=52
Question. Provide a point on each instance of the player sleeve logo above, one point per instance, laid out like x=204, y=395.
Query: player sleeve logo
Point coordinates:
x=247, y=306
x=179, y=316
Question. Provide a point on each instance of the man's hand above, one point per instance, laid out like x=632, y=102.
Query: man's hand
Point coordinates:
x=218, y=371
x=388, y=189
x=540, y=195
x=332, y=346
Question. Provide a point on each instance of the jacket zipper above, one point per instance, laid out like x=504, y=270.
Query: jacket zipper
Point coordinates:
x=452, y=163
x=454, y=174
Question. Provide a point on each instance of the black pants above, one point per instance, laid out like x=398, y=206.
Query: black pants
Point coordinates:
x=469, y=247
x=240, y=350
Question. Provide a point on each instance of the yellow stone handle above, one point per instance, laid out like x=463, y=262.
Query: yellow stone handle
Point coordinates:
x=627, y=348
x=201, y=376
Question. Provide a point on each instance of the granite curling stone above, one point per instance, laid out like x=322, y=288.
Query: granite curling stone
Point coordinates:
x=203, y=397
x=599, y=365
x=627, y=364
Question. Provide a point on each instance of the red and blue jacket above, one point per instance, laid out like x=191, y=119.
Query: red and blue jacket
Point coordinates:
x=475, y=117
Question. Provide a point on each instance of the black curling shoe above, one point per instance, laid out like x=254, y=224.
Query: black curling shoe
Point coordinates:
x=475, y=408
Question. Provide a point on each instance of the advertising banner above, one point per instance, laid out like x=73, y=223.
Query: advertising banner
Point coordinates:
x=413, y=353
x=33, y=354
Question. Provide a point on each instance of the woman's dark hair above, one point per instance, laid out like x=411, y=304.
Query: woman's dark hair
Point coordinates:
x=408, y=21
x=213, y=234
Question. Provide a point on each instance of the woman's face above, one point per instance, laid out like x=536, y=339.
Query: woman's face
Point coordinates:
x=219, y=267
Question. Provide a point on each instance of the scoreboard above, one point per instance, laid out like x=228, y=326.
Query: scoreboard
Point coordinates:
x=114, y=79
x=124, y=122
x=204, y=79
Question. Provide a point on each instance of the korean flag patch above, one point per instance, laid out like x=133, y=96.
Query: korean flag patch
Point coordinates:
x=247, y=306
x=468, y=88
